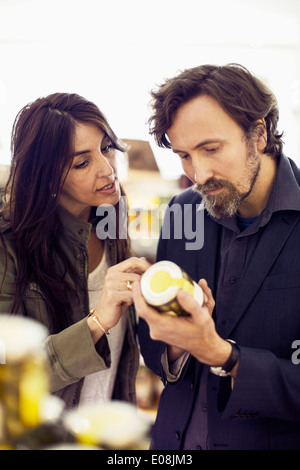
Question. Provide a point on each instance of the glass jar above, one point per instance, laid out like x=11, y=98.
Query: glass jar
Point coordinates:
x=23, y=376
x=161, y=283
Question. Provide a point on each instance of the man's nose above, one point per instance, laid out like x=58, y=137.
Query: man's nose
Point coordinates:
x=202, y=172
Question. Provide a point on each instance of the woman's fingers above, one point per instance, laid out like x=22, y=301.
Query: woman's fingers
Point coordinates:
x=121, y=277
x=120, y=281
x=117, y=292
x=131, y=265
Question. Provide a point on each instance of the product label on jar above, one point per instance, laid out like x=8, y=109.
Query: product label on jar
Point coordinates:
x=161, y=280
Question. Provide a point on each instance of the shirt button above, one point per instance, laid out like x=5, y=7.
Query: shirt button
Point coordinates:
x=232, y=280
x=204, y=407
x=198, y=448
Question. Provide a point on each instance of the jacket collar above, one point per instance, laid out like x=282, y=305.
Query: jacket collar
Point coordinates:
x=284, y=205
x=280, y=198
x=75, y=229
x=79, y=232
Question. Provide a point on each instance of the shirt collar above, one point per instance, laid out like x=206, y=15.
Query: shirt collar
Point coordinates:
x=285, y=195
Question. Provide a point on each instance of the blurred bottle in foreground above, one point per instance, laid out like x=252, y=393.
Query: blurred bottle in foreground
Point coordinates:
x=23, y=377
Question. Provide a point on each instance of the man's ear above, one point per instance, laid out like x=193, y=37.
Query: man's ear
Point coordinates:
x=262, y=135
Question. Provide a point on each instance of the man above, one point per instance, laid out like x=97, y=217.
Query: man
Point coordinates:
x=222, y=122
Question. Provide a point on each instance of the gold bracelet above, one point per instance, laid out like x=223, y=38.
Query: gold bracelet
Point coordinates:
x=95, y=319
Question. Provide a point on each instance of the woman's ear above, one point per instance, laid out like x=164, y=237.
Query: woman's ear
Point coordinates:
x=262, y=135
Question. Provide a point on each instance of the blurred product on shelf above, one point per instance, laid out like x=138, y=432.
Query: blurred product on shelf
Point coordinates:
x=23, y=378
x=4, y=172
x=110, y=425
x=148, y=390
x=140, y=155
x=148, y=193
x=33, y=419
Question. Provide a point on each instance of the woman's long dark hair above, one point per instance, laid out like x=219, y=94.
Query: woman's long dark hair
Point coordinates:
x=42, y=150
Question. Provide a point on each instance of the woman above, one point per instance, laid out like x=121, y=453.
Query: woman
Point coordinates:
x=53, y=267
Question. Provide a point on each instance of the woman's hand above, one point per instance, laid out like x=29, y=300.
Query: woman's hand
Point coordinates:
x=116, y=294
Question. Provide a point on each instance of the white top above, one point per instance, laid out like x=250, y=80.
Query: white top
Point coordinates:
x=98, y=387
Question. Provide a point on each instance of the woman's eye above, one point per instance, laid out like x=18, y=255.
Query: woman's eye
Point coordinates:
x=81, y=165
x=108, y=148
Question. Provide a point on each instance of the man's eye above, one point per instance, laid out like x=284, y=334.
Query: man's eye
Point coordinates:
x=183, y=157
x=211, y=150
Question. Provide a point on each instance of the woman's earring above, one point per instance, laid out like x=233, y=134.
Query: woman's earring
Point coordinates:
x=53, y=195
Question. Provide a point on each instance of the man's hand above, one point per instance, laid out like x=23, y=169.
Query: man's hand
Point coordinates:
x=195, y=334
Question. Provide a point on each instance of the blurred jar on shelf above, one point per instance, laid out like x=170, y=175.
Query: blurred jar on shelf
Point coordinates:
x=23, y=377
x=148, y=388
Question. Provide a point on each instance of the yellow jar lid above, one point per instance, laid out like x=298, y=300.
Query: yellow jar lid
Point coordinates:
x=162, y=281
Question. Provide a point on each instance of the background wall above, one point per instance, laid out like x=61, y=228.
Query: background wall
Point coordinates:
x=114, y=52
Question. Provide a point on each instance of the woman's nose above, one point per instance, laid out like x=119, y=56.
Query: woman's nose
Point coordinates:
x=104, y=168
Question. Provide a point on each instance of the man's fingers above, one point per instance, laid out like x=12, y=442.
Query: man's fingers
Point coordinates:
x=187, y=302
x=209, y=301
x=204, y=286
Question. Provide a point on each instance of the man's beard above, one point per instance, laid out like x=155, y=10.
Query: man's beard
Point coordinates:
x=226, y=203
